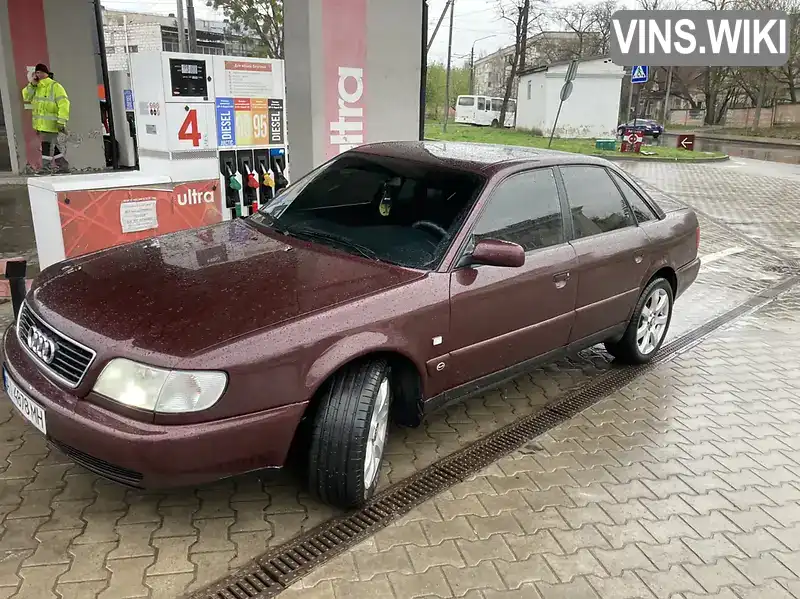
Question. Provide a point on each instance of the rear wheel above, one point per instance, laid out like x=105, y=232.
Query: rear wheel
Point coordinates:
x=349, y=434
x=648, y=326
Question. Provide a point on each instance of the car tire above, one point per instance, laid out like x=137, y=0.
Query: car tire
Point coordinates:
x=349, y=434
x=648, y=326
x=496, y=124
x=656, y=135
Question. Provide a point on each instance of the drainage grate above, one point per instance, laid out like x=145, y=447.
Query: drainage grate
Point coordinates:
x=272, y=573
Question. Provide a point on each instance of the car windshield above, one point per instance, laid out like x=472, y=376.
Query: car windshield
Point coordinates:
x=383, y=208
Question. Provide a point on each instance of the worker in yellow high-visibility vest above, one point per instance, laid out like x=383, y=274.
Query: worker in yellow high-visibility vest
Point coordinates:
x=50, y=105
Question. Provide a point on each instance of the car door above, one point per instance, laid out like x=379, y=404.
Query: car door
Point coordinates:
x=613, y=252
x=504, y=316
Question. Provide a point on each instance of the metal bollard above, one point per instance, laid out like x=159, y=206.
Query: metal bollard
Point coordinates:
x=15, y=274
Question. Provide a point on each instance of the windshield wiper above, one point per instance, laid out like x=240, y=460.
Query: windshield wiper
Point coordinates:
x=273, y=222
x=322, y=236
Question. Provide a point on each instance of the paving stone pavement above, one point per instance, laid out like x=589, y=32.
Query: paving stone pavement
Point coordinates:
x=751, y=198
x=66, y=533
x=684, y=484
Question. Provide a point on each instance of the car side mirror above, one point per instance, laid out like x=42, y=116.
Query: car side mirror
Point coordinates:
x=494, y=252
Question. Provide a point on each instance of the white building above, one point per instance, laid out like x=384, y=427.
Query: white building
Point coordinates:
x=131, y=32
x=591, y=111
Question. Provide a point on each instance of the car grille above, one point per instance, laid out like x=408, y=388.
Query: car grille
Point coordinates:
x=70, y=360
x=117, y=474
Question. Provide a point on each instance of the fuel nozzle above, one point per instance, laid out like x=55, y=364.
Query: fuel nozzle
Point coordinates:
x=281, y=182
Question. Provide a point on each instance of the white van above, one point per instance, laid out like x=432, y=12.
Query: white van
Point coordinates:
x=484, y=111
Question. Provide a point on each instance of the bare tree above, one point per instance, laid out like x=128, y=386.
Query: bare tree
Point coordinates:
x=579, y=19
x=601, y=20
x=518, y=14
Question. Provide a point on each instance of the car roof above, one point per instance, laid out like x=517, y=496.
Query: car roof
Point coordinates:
x=486, y=159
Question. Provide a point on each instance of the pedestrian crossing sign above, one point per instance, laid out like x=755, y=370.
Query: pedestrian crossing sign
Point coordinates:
x=640, y=74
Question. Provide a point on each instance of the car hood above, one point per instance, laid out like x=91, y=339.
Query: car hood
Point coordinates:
x=181, y=293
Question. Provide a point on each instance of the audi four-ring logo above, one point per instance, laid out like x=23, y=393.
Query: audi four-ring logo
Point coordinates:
x=41, y=345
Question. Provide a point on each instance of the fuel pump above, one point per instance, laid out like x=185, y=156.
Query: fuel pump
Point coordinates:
x=266, y=179
x=229, y=173
x=250, y=182
x=278, y=165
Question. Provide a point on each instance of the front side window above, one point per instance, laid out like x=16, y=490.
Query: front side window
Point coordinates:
x=595, y=202
x=497, y=105
x=379, y=207
x=524, y=209
x=641, y=210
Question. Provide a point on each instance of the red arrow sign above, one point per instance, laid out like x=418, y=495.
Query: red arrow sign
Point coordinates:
x=686, y=142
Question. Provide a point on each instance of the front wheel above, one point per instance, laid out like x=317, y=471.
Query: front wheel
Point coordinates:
x=495, y=123
x=648, y=326
x=349, y=434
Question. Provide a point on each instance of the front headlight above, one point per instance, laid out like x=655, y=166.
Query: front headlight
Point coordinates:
x=166, y=391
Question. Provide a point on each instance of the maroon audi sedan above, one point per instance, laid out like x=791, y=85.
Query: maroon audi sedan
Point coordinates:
x=391, y=281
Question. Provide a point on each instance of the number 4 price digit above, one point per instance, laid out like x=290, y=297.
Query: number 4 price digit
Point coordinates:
x=190, y=130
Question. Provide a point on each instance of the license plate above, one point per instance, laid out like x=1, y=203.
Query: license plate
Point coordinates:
x=30, y=410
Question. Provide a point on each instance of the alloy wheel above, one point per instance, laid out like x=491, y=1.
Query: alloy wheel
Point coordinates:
x=653, y=321
x=376, y=437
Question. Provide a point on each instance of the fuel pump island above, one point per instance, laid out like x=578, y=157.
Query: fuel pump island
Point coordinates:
x=203, y=138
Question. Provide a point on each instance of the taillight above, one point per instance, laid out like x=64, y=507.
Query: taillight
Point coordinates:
x=697, y=235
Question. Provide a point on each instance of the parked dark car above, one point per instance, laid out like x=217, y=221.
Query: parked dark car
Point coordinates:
x=648, y=127
x=395, y=279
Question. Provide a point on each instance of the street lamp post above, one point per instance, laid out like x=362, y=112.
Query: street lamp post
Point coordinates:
x=472, y=63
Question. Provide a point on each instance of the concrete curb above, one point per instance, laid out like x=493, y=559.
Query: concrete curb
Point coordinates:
x=658, y=159
x=739, y=139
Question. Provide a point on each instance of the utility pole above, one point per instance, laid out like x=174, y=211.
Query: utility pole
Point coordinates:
x=449, y=59
x=630, y=96
x=472, y=71
x=523, y=57
x=439, y=24
x=665, y=118
x=192, y=26
x=181, y=28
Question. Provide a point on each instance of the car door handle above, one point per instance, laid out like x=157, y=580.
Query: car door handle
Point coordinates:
x=638, y=258
x=561, y=279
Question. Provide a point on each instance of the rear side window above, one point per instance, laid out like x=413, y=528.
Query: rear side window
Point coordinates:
x=595, y=202
x=481, y=103
x=466, y=101
x=641, y=210
x=524, y=209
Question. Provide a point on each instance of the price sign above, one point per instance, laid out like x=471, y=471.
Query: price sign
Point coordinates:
x=244, y=121
x=261, y=132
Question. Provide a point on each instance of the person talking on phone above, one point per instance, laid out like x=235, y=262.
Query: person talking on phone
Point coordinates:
x=50, y=105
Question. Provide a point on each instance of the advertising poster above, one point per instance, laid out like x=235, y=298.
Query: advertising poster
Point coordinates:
x=260, y=117
x=226, y=122
x=276, y=122
x=99, y=219
x=248, y=79
x=244, y=121
x=344, y=46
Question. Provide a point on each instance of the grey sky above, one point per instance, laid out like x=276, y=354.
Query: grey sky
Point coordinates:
x=474, y=20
